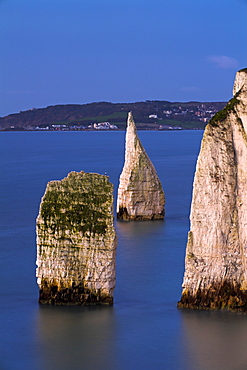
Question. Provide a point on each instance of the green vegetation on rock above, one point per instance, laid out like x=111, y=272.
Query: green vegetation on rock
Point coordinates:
x=80, y=202
x=222, y=114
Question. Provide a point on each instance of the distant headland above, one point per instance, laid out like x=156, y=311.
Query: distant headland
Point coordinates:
x=149, y=115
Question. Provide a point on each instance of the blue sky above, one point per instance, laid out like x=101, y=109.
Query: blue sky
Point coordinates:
x=82, y=51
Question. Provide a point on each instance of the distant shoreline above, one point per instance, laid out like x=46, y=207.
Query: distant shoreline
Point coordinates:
x=104, y=116
x=107, y=131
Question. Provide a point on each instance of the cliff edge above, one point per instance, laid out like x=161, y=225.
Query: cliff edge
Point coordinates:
x=140, y=193
x=76, y=241
x=216, y=253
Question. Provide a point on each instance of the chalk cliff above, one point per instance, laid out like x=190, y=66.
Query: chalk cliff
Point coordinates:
x=76, y=241
x=140, y=193
x=216, y=254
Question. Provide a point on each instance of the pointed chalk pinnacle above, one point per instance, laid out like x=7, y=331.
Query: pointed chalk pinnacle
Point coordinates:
x=140, y=193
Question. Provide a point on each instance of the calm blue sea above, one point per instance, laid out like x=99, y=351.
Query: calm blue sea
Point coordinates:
x=144, y=329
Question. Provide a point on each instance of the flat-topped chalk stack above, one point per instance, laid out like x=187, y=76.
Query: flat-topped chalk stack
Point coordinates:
x=216, y=254
x=76, y=241
x=140, y=193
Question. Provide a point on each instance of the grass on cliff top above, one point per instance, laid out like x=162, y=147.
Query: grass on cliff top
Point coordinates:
x=243, y=70
x=222, y=114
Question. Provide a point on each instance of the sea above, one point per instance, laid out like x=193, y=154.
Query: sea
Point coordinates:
x=144, y=329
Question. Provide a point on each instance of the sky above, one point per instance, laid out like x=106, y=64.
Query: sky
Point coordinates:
x=82, y=51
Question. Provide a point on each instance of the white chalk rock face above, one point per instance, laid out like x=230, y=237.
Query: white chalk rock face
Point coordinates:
x=76, y=241
x=216, y=254
x=140, y=193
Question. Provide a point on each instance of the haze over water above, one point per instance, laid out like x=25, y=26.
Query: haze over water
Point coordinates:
x=144, y=329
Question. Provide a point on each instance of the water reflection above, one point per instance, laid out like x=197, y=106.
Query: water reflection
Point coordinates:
x=144, y=229
x=215, y=340
x=139, y=244
x=149, y=255
x=76, y=337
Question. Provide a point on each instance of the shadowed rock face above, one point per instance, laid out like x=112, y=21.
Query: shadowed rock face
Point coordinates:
x=76, y=241
x=140, y=193
x=216, y=254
